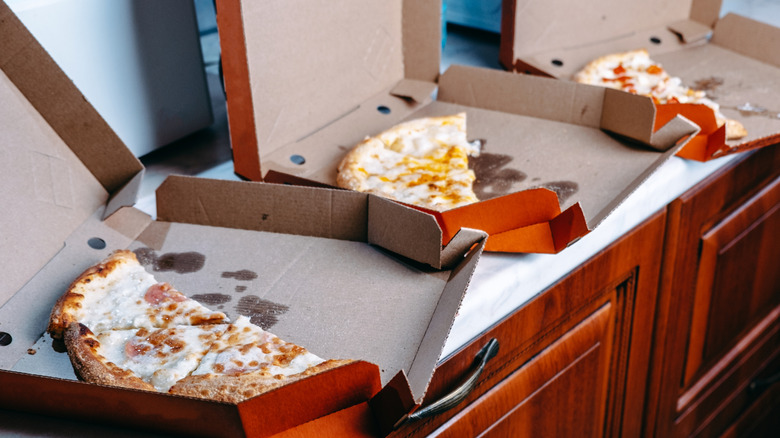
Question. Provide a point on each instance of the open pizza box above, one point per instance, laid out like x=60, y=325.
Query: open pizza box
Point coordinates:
x=308, y=264
x=734, y=59
x=306, y=81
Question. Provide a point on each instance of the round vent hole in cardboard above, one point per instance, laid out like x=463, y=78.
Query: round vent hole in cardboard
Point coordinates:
x=96, y=243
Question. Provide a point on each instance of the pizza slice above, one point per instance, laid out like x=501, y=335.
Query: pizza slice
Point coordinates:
x=123, y=328
x=139, y=358
x=247, y=361
x=119, y=293
x=635, y=72
x=421, y=162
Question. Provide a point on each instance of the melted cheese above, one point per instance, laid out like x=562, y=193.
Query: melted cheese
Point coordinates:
x=421, y=162
x=245, y=347
x=637, y=73
x=161, y=357
x=119, y=303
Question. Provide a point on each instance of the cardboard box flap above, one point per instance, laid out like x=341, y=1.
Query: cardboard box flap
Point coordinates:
x=530, y=27
x=274, y=208
x=271, y=51
x=634, y=117
x=690, y=31
x=748, y=37
x=407, y=231
x=62, y=105
x=622, y=113
x=58, y=155
x=310, y=211
x=417, y=91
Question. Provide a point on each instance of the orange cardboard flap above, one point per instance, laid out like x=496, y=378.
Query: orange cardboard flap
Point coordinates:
x=353, y=422
x=709, y=143
x=501, y=214
x=528, y=221
x=549, y=237
x=309, y=399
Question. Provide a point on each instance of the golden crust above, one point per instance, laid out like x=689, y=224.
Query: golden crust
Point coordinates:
x=66, y=310
x=239, y=387
x=735, y=130
x=84, y=353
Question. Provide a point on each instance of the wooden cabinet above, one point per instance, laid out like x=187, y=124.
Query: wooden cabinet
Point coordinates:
x=572, y=361
x=719, y=311
x=673, y=330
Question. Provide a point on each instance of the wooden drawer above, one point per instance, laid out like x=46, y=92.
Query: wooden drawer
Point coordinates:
x=620, y=286
x=560, y=392
x=718, y=322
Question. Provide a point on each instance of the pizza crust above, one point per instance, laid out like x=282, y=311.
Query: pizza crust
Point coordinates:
x=69, y=307
x=240, y=387
x=84, y=352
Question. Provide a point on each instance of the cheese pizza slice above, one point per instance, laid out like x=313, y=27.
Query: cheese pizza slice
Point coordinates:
x=421, y=162
x=147, y=359
x=635, y=72
x=247, y=361
x=119, y=293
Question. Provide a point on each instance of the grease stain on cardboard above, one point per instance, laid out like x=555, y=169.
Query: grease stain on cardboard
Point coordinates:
x=242, y=275
x=261, y=312
x=181, y=263
x=494, y=179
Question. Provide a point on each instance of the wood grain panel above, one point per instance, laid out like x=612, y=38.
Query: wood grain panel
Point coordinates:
x=565, y=381
x=719, y=290
x=625, y=276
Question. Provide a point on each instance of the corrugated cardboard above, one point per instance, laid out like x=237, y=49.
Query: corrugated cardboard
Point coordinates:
x=309, y=264
x=734, y=59
x=303, y=89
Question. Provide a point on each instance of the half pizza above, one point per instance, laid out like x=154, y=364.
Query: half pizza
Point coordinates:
x=123, y=328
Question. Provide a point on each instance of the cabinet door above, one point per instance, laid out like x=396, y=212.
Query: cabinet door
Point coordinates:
x=720, y=317
x=605, y=363
x=559, y=393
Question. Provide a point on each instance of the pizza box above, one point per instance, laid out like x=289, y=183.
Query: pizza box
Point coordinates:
x=736, y=60
x=306, y=81
x=306, y=263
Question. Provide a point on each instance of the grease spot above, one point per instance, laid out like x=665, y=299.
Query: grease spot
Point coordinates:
x=242, y=275
x=708, y=84
x=179, y=262
x=564, y=189
x=211, y=299
x=493, y=178
x=240, y=289
x=261, y=312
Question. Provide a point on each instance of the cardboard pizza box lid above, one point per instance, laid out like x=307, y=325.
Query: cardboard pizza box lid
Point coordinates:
x=335, y=95
x=59, y=160
x=292, y=68
x=70, y=185
x=734, y=59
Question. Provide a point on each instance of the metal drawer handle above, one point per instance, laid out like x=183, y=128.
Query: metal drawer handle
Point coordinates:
x=460, y=393
x=759, y=384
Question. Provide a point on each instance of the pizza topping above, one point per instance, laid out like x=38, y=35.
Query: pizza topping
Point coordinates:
x=421, y=162
x=250, y=348
x=160, y=292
